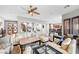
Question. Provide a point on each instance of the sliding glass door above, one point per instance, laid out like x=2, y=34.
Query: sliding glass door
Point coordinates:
x=71, y=26
x=75, y=26
x=67, y=26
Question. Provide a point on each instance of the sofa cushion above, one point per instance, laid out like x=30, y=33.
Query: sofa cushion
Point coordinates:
x=5, y=51
x=44, y=38
x=66, y=43
x=5, y=44
x=1, y=46
x=5, y=41
x=16, y=38
x=28, y=50
x=72, y=47
x=16, y=49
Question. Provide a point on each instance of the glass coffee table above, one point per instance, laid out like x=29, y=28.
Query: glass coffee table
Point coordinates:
x=45, y=49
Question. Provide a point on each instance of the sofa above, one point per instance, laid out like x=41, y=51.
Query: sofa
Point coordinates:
x=28, y=50
x=5, y=45
x=71, y=48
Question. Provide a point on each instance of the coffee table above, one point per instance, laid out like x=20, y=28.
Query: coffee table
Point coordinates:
x=45, y=49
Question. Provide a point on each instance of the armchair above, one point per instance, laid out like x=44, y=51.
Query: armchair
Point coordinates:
x=5, y=45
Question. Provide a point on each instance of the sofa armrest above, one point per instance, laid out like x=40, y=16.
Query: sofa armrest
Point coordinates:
x=5, y=51
x=57, y=47
x=72, y=47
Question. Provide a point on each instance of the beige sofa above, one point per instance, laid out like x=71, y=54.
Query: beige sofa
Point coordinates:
x=71, y=48
x=44, y=38
x=28, y=50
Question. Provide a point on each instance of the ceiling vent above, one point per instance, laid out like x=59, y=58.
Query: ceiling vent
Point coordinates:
x=66, y=6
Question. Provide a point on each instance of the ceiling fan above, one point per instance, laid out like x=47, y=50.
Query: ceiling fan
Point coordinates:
x=32, y=10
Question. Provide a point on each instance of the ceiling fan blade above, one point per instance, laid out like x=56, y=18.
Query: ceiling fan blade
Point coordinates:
x=33, y=9
x=36, y=13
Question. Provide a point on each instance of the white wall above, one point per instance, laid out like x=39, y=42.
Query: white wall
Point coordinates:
x=55, y=19
x=24, y=19
x=21, y=19
x=71, y=14
x=2, y=22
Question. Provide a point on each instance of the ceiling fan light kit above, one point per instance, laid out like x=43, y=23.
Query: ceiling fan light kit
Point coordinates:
x=32, y=11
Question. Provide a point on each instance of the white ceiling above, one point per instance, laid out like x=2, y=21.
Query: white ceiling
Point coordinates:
x=46, y=11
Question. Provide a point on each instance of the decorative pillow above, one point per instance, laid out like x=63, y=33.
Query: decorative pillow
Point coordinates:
x=56, y=40
x=44, y=39
x=66, y=43
x=51, y=35
x=16, y=49
x=72, y=47
x=51, y=38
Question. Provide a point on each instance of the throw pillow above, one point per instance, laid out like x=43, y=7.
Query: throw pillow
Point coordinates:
x=66, y=43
